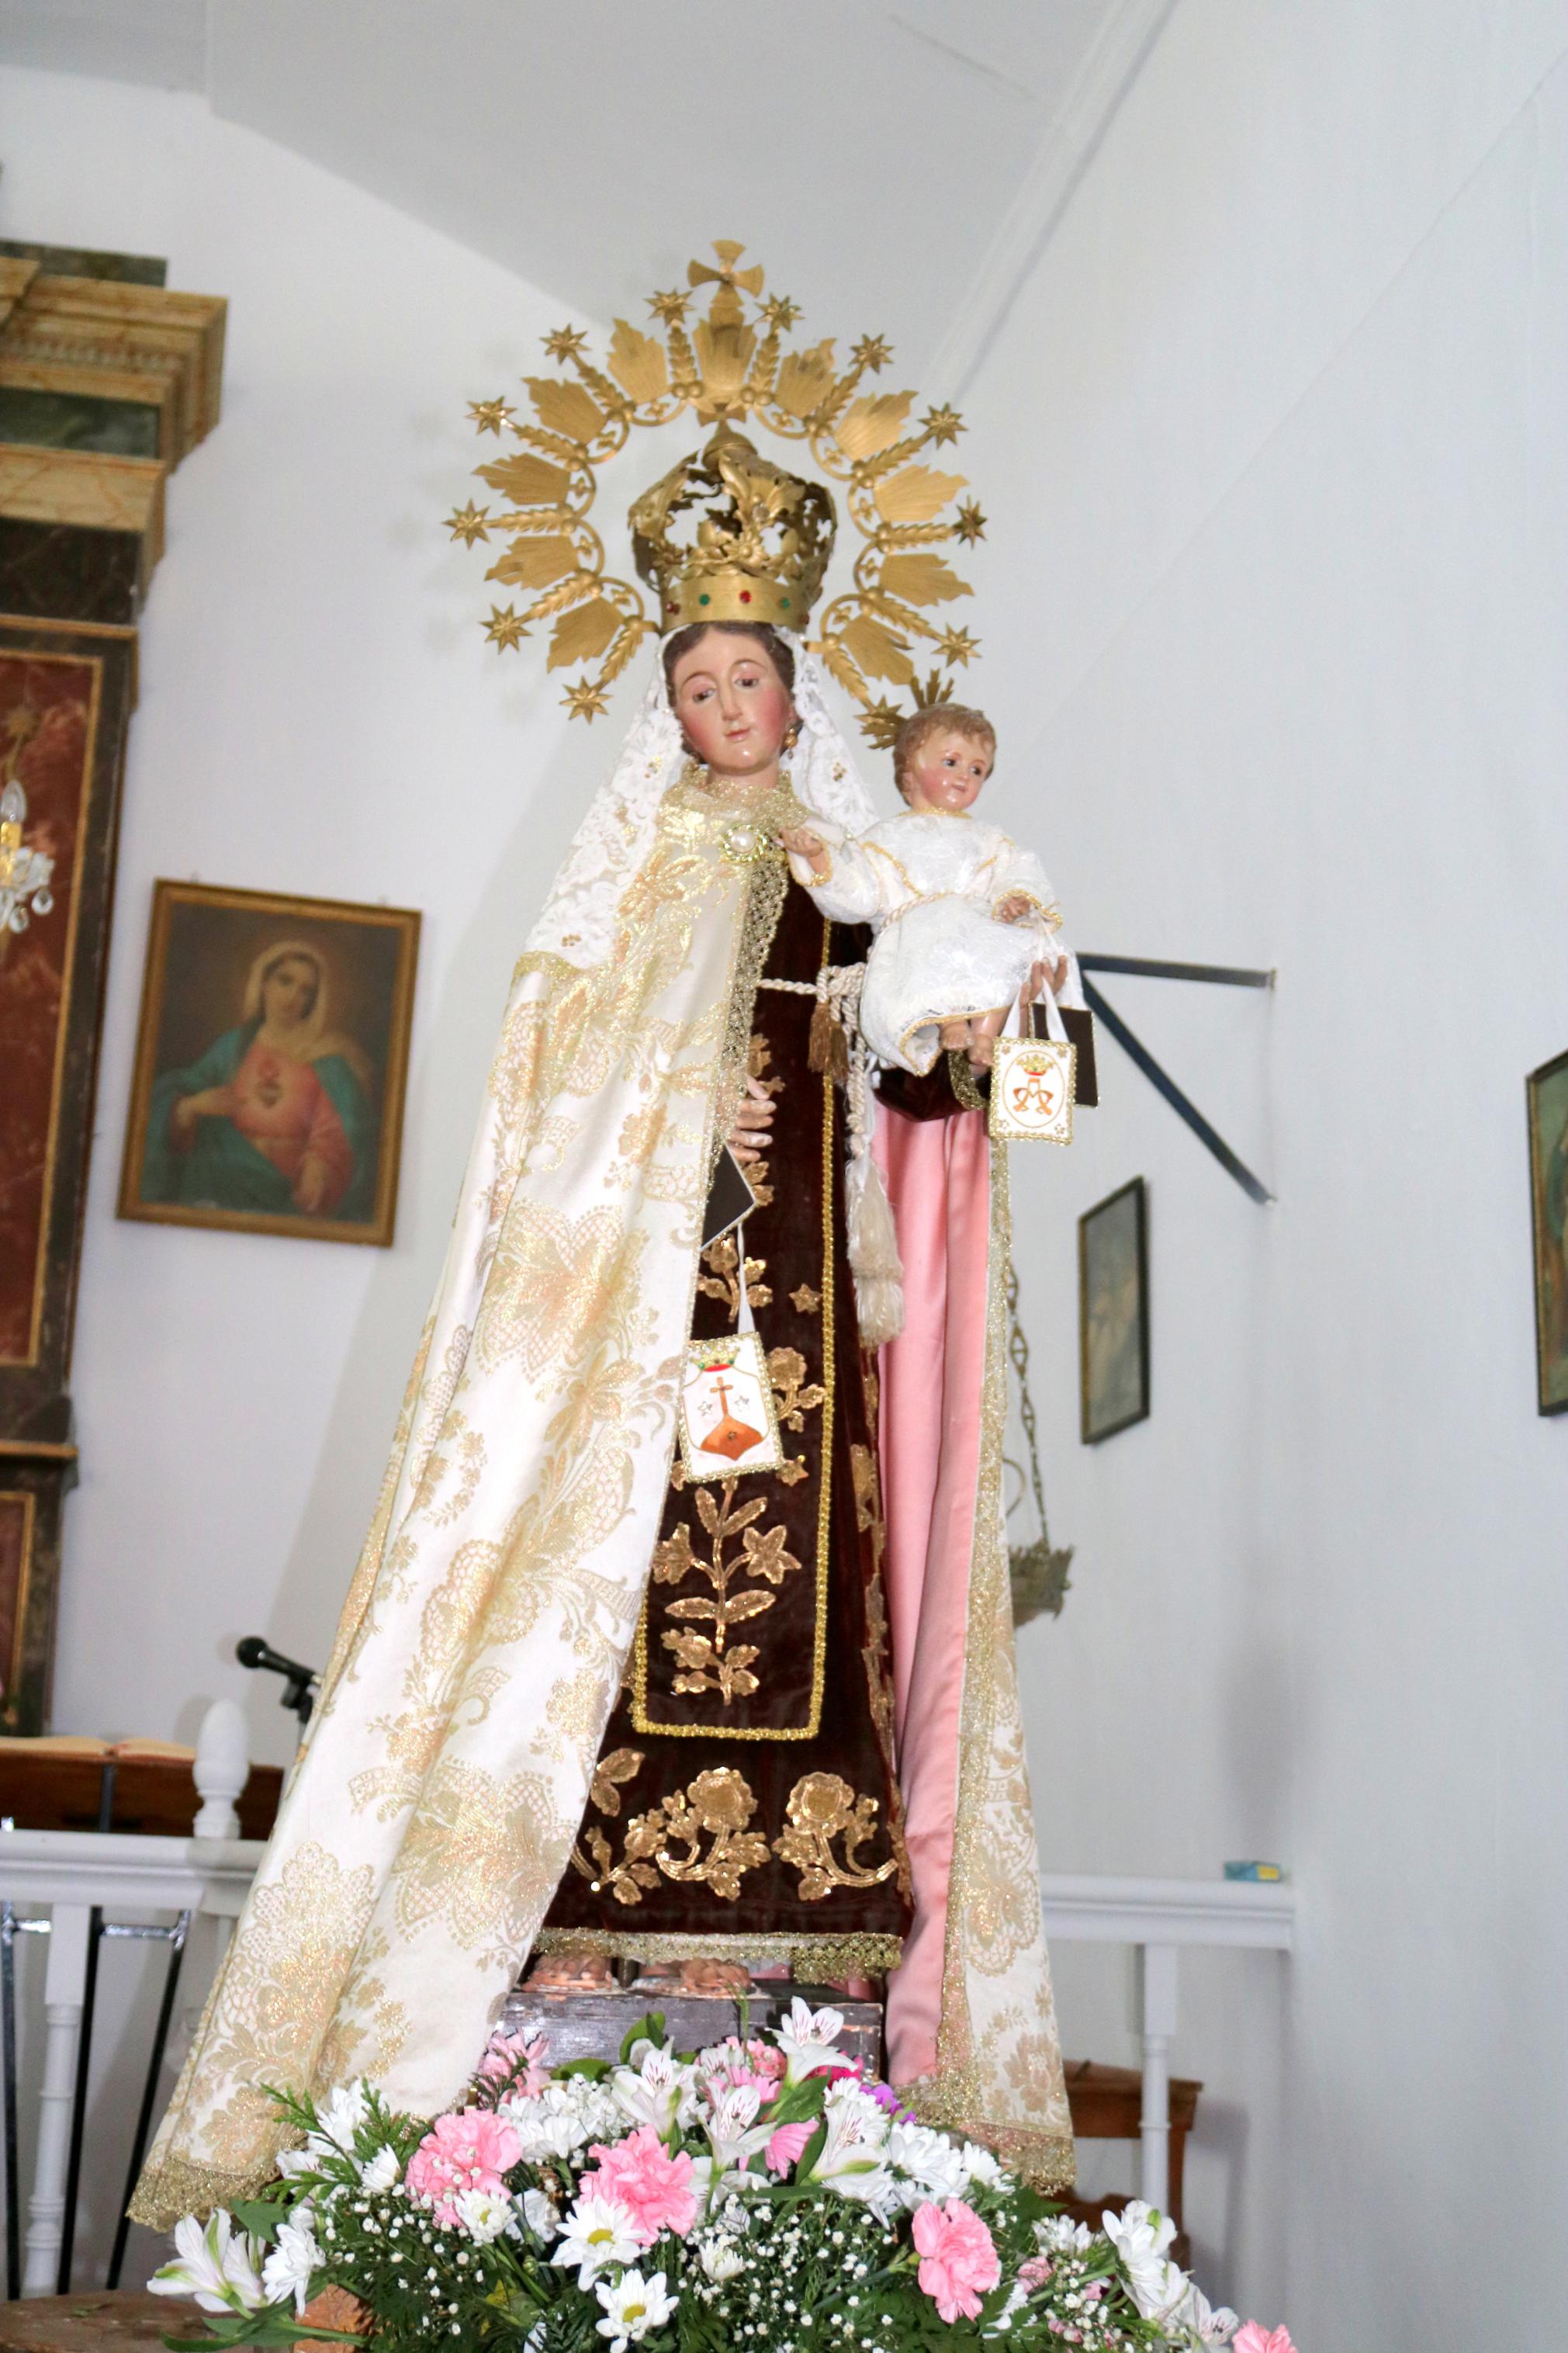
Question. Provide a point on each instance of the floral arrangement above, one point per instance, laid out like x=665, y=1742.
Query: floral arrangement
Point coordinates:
x=764, y=2193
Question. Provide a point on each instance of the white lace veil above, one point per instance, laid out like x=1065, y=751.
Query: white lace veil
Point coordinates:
x=616, y=835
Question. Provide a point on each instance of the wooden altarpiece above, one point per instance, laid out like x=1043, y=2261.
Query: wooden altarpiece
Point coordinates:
x=106, y=379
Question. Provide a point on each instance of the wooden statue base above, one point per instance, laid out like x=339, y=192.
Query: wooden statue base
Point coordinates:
x=594, y=2025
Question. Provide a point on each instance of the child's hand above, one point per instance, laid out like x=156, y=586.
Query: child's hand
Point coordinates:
x=1043, y=976
x=801, y=842
x=1014, y=909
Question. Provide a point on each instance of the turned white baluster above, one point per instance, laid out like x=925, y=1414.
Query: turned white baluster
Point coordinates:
x=1158, y=2023
x=63, y=1986
x=221, y=1769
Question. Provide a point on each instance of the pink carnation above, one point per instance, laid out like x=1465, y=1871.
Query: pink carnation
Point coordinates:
x=468, y=2150
x=1255, y=2339
x=785, y=2148
x=1036, y=2271
x=657, y=2190
x=958, y=2258
x=518, y=2059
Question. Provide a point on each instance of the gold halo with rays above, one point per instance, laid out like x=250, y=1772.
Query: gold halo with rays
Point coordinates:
x=730, y=363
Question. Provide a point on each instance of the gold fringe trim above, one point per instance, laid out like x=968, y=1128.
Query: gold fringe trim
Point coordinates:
x=1042, y=2157
x=870, y=1954
x=176, y=2187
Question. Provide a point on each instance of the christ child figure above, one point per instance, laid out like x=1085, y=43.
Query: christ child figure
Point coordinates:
x=962, y=916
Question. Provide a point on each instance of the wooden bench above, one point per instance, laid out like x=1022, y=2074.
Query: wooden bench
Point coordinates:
x=1107, y=2104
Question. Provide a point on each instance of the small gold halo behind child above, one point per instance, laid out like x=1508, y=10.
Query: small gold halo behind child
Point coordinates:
x=963, y=917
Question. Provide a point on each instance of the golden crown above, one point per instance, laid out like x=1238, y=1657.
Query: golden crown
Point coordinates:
x=763, y=537
x=759, y=550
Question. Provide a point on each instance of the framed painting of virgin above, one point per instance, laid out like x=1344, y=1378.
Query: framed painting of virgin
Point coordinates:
x=271, y=1063
x=1546, y=1094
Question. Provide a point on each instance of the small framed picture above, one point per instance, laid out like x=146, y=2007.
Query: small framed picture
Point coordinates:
x=270, y=1064
x=727, y=1420
x=1114, y=1313
x=1546, y=1096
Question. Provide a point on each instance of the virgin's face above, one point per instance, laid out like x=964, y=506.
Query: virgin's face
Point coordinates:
x=734, y=707
x=288, y=992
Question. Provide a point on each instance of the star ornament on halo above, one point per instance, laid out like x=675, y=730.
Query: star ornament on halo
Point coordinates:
x=585, y=700
x=468, y=523
x=565, y=343
x=669, y=309
x=489, y=415
x=957, y=645
x=970, y=524
x=872, y=351
x=944, y=423
x=504, y=627
x=781, y=312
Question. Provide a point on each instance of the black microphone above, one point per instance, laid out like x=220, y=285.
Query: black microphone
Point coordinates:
x=254, y=1650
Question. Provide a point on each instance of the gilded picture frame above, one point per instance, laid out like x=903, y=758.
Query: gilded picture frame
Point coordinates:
x=1546, y=1105
x=271, y=1064
x=1114, y=1313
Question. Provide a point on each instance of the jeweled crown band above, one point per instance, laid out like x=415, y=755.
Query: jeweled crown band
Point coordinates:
x=729, y=596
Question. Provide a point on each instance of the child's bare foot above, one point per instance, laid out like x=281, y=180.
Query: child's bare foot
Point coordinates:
x=984, y=1031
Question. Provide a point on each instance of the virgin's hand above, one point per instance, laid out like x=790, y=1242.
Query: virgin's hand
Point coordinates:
x=1014, y=909
x=752, y=1131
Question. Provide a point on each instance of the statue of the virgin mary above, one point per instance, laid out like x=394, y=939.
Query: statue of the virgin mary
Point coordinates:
x=592, y=1693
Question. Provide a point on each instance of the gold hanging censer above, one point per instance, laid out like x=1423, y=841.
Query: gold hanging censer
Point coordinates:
x=762, y=536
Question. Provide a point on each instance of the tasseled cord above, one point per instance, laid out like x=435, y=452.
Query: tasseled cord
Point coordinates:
x=837, y=1046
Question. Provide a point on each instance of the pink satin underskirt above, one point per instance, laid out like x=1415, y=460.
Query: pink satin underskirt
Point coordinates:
x=938, y=1181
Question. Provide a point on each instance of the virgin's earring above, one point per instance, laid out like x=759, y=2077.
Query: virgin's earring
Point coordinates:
x=792, y=735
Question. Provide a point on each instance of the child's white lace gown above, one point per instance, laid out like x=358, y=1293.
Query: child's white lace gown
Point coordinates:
x=927, y=882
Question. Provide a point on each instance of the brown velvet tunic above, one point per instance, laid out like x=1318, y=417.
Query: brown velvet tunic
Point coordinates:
x=745, y=1803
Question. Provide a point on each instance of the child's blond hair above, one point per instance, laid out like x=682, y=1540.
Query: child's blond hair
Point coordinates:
x=973, y=725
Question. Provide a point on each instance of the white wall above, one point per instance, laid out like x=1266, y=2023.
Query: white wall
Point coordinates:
x=1275, y=440
x=319, y=714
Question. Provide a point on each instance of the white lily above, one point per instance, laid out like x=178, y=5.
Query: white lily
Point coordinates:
x=658, y=2091
x=732, y=2125
x=214, y=2266
x=633, y=2305
x=292, y=2259
x=807, y=2037
x=598, y=2231
x=852, y=2157
x=1141, y=2236
x=1208, y=2324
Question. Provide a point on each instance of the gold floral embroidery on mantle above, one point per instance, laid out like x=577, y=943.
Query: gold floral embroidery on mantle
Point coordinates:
x=822, y=1807
x=716, y=1806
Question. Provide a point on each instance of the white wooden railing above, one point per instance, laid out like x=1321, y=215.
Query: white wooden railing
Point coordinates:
x=67, y=1874
x=1159, y=1917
